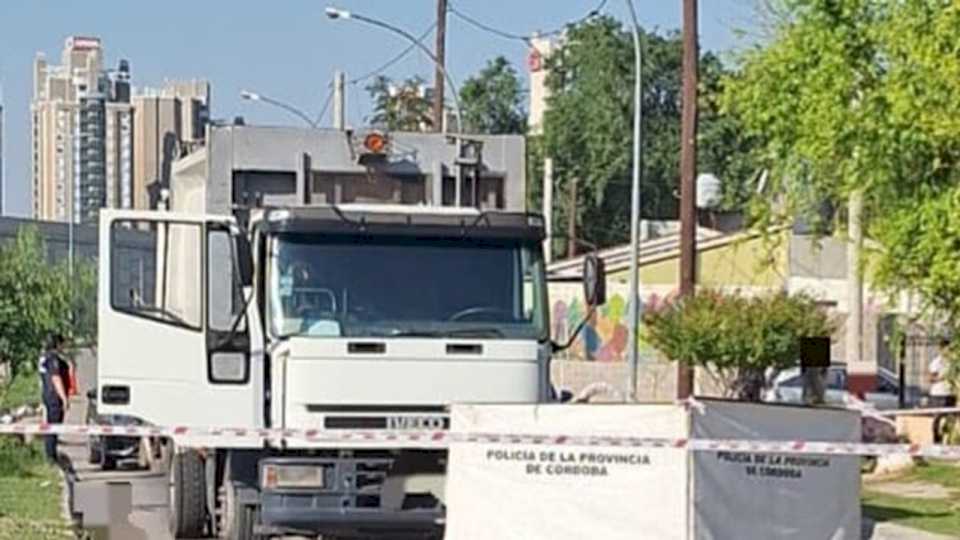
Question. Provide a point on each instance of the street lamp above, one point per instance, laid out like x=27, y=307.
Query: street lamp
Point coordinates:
x=334, y=13
x=253, y=96
x=634, y=303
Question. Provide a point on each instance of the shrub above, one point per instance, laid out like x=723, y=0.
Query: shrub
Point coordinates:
x=737, y=339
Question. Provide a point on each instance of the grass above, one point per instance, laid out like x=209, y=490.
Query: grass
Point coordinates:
x=23, y=390
x=30, y=493
x=940, y=516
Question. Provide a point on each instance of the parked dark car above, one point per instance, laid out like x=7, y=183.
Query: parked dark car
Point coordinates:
x=108, y=451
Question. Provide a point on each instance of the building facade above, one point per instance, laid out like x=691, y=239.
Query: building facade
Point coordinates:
x=3, y=169
x=96, y=143
x=78, y=113
x=168, y=122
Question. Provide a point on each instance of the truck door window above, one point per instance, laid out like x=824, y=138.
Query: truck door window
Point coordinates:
x=155, y=271
x=224, y=295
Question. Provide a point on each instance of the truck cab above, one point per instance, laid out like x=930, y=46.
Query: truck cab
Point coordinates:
x=340, y=319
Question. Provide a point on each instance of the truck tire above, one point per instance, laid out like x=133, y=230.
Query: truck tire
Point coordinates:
x=237, y=519
x=188, y=507
x=249, y=516
x=94, y=448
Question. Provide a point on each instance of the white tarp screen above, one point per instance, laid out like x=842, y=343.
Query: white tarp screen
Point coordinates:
x=507, y=491
x=752, y=495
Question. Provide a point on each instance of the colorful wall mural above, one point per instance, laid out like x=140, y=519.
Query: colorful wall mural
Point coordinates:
x=604, y=337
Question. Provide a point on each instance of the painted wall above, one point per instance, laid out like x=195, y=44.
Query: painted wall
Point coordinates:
x=748, y=266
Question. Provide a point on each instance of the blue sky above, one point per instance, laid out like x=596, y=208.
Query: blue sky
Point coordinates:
x=286, y=49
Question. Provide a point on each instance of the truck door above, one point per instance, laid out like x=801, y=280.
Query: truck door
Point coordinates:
x=174, y=341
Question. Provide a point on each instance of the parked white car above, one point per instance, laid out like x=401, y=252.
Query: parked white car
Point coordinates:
x=787, y=387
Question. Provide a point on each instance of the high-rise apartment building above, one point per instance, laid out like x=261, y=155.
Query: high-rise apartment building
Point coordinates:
x=3, y=169
x=96, y=143
x=168, y=122
x=118, y=143
x=78, y=115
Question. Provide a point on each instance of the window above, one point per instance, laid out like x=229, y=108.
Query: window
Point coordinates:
x=836, y=379
x=345, y=286
x=224, y=295
x=155, y=271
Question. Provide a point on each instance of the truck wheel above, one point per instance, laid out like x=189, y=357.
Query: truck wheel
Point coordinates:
x=187, y=494
x=236, y=520
x=250, y=515
x=95, y=450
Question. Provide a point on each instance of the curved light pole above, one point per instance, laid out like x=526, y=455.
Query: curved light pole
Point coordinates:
x=253, y=96
x=634, y=304
x=335, y=13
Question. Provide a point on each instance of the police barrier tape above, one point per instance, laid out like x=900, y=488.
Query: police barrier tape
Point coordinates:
x=918, y=412
x=441, y=439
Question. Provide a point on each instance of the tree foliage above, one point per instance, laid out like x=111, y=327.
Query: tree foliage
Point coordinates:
x=34, y=300
x=492, y=100
x=588, y=127
x=862, y=95
x=403, y=106
x=736, y=338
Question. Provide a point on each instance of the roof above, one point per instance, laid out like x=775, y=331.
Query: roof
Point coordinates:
x=617, y=258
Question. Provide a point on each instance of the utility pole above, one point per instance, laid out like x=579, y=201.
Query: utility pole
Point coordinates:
x=688, y=174
x=858, y=370
x=438, y=79
x=339, y=101
x=548, y=209
x=572, y=219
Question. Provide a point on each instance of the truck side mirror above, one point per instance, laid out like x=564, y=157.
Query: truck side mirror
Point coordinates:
x=244, y=259
x=594, y=280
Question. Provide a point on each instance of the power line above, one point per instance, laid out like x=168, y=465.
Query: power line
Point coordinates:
x=326, y=105
x=526, y=39
x=487, y=28
x=396, y=58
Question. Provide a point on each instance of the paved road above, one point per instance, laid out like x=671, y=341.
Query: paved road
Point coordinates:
x=127, y=504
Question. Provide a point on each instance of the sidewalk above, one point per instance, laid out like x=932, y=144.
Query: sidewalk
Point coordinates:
x=891, y=531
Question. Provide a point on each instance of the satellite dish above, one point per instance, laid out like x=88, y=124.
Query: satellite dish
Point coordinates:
x=709, y=191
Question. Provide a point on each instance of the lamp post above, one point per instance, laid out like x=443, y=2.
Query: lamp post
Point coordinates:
x=253, y=96
x=334, y=13
x=634, y=304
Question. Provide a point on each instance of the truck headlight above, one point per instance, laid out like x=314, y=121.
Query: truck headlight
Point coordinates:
x=281, y=476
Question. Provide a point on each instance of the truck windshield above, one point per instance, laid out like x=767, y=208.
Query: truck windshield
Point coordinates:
x=350, y=286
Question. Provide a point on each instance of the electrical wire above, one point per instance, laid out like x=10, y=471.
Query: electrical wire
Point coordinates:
x=326, y=105
x=526, y=39
x=400, y=56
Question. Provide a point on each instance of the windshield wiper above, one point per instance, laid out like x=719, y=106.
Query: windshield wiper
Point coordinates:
x=475, y=332
x=458, y=332
x=414, y=333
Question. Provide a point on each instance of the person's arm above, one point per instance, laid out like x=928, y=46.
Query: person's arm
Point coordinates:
x=60, y=389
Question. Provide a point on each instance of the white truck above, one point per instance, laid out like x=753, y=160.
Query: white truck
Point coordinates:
x=325, y=317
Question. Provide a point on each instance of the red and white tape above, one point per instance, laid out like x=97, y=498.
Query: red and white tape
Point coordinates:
x=442, y=439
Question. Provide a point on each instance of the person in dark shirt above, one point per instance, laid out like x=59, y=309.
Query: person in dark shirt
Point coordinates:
x=54, y=388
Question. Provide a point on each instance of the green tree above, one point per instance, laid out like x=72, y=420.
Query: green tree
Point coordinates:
x=737, y=339
x=588, y=128
x=34, y=300
x=860, y=96
x=83, y=327
x=492, y=100
x=400, y=107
